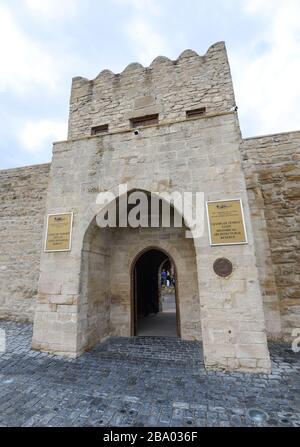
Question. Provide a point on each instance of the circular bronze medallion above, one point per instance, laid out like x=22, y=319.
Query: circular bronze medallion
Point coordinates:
x=223, y=267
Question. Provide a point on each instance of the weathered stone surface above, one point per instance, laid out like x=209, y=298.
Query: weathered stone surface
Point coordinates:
x=272, y=170
x=141, y=381
x=99, y=265
x=22, y=209
x=171, y=86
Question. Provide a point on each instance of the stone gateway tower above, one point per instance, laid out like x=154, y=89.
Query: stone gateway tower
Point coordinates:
x=170, y=127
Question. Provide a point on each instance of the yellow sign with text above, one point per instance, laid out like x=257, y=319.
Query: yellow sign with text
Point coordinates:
x=59, y=232
x=226, y=222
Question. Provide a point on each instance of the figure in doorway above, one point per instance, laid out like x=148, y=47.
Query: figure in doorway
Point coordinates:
x=163, y=277
x=168, y=279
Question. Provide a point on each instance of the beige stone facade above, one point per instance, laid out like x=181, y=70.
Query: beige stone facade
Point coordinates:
x=272, y=170
x=85, y=295
x=22, y=209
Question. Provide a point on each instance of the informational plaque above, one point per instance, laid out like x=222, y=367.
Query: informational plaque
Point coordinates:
x=59, y=232
x=226, y=222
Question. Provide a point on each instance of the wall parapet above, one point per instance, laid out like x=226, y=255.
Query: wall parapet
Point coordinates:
x=168, y=88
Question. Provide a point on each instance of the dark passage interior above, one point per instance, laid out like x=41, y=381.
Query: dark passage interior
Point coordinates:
x=155, y=295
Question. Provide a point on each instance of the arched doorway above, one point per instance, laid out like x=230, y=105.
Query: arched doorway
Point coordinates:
x=107, y=297
x=155, y=309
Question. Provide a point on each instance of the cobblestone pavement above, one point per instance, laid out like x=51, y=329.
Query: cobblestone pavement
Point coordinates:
x=141, y=381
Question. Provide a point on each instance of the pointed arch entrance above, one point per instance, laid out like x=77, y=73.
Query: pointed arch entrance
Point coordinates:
x=107, y=301
x=155, y=308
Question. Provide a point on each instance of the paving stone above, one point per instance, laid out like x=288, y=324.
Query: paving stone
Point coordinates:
x=95, y=390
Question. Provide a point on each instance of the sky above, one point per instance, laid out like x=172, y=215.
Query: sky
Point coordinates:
x=44, y=43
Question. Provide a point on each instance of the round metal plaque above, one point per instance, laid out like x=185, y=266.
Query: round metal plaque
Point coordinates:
x=223, y=267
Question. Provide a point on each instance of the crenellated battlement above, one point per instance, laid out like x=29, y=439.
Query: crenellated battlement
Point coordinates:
x=166, y=88
x=155, y=63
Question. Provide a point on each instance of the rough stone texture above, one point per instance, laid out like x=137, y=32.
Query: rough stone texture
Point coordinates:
x=166, y=87
x=193, y=155
x=141, y=381
x=22, y=209
x=126, y=245
x=107, y=267
x=272, y=170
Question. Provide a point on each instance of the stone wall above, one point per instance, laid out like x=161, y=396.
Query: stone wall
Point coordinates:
x=95, y=285
x=200, y=154
x=168, y=88
x=126, y=244
x=107, y=262
x=272, y=168
x=22, y=211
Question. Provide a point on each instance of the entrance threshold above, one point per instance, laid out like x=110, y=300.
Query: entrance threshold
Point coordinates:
x=162, y=324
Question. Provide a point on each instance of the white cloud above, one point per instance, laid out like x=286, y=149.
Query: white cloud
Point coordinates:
x=142, y=31
x=24, y=63
x=37, y=134
x=267, y=84
x=149, y=43
x=143, y=6
x=53, y=9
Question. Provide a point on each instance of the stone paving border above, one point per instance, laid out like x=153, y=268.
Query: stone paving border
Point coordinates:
x=142, y=381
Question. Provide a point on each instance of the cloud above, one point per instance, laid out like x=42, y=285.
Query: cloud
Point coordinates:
x=264, y=7
x=53, y=9
x=267, y=80
x=146, y=7
x=35, y=135
x=142, y=31
x=24, y=63
x=147, y=41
